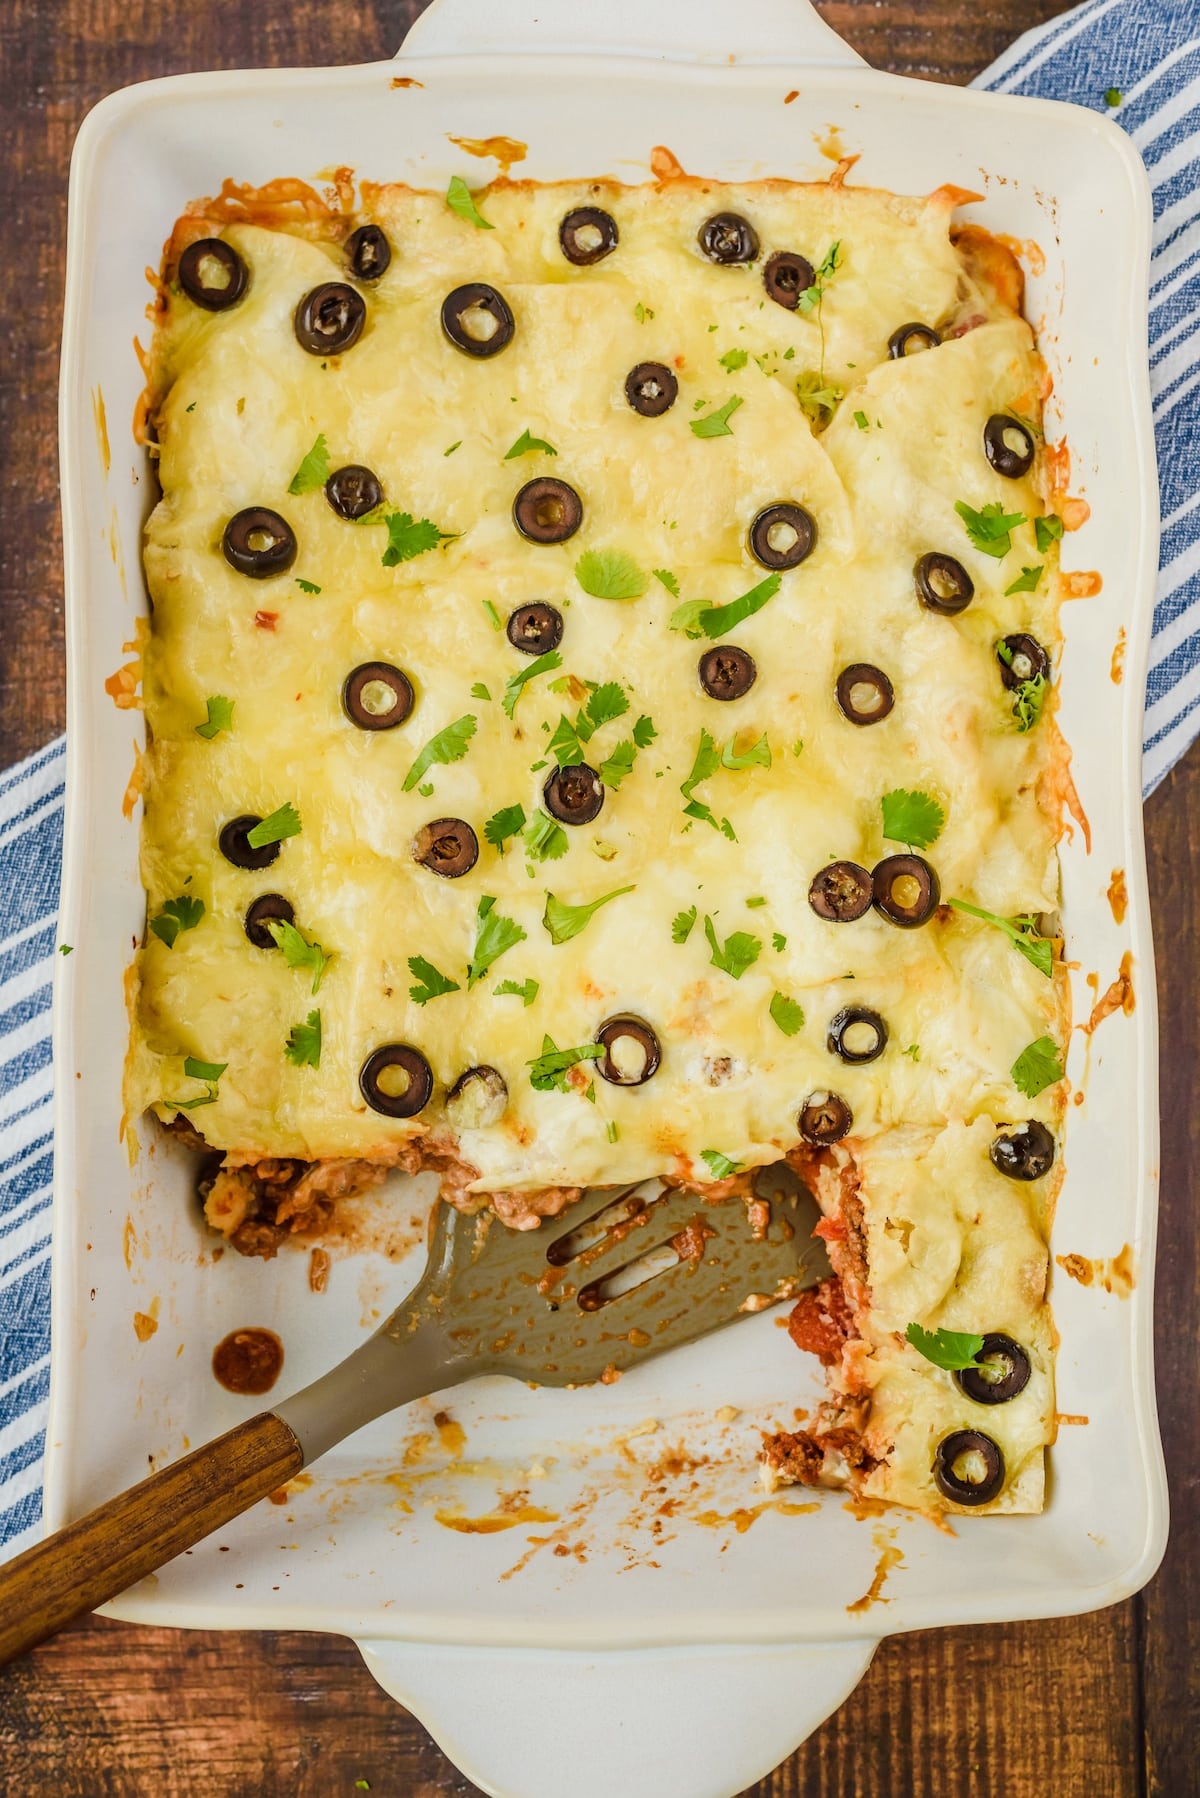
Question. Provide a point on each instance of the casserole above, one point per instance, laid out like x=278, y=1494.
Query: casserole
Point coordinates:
x=140, y=157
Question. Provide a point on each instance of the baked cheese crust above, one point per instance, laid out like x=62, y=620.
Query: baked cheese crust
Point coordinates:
x=716, y=816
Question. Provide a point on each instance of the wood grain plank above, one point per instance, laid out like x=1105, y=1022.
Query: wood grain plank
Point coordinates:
x=1017, y=1712
x=1170, y=1606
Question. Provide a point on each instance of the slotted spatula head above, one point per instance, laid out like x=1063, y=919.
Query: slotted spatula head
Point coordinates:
x=627, y=1273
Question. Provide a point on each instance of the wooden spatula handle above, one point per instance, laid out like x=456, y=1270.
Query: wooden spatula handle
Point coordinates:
x=108, y=1550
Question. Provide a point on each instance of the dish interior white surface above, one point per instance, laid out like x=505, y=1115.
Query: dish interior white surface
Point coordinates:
x=345, y=1553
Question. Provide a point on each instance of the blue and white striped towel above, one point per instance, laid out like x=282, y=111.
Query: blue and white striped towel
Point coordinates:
x=1147, y=50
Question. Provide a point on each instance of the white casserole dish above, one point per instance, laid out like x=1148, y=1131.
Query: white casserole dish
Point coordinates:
x=694, y=1662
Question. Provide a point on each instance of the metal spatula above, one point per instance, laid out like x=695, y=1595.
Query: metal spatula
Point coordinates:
x=626, y=1274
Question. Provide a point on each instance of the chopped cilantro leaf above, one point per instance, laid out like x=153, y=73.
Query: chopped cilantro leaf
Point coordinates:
x=220, y=717
x=696, y=618
x=819, y=399
x=449, y=745
x=719, y=1166
x=990, y=530
x=779, y=942
x=479, y=691
x=426, y=789
x=610, y=574
x=458, y=199
x=431, y=983
x=757, y=756
x=208, y=1071
x=1047, y=530
x=1021, y=931
x=787, y=1014
x=453, y=447
x=493, y=614
x=545, y=841
x=644, y=732
x=1112, y=96
x=297, y=951
x=540, y=665
x=708, y=760
x=408, y=538
x=547, y=1071
x=179, y=914
x=307, y=586
x=283, y=823
x=606, y=703
x=566, y=921
x=494, y=934
x=668, y=580
x=507, y=822
x=682, y=923
x=1026, y=581
x=716, y=424
x=615, y=767
x=949, y=1349
x=525, y=990
x=1028, y=701
x=913, y=1051
x=753, y=904
x=734, y=359
x=740, y=952
x=66, y=948
x=303, y=1047
x=525, y=444
x=313, y=472
x=912, y=818
x=861, y=420
x=1037, y=1067
x=642, y=313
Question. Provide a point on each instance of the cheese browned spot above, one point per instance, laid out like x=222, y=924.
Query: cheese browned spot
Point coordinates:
x=800, y=407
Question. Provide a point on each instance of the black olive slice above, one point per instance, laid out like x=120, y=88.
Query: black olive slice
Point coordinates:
x=943, y=584
x=864, y=693
x=258, y=542
x=447, y=846
x=857, y=1034
x=535, y=629
x=270, y=908
x=782, y=536
x=1025, y=1152
x=547, y=511
x=1029, y=661
x=377, y=696
x=396, y=1081
x=1008, y=446
x=478, y=1098
x=477, y=319
x=906, y=890
x=824, y=1118
x=588, y=235
x=353, y=491
x=968, y=1467
x=786, y=276
x=574, y=795
x=727, y=672
x=632, y=1052
x=651, y=389
x=368, y=253
x=909, y=340
x=330, y=319
x=1001, y=1370
x=841, y=892
x=728, y=238
x=212, y=274
x=234, y=846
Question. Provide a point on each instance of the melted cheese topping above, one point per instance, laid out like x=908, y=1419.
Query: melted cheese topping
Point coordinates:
x=239, y=404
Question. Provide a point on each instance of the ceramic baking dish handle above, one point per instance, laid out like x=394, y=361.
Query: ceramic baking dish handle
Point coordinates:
x=722, y=31
x=708, y=1722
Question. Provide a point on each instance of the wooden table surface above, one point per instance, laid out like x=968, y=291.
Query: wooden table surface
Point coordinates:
x=1106, y=1706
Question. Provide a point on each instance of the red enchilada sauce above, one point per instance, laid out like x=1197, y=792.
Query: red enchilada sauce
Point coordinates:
x=248, y=1361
